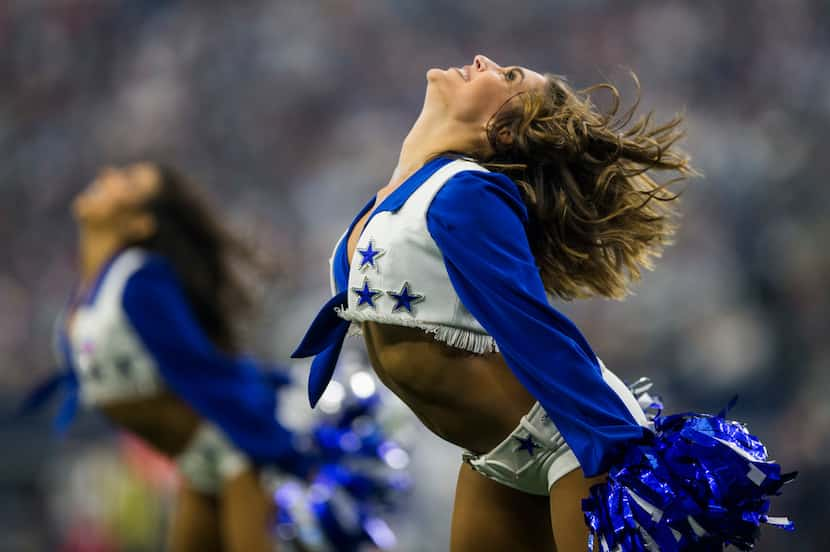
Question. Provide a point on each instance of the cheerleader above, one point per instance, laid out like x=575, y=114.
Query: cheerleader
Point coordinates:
x=512, y=187
x=149, y=340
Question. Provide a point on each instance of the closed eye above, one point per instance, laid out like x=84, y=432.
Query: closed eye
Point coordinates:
x=512, y=75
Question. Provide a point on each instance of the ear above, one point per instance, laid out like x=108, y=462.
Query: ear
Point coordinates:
x=505, y=136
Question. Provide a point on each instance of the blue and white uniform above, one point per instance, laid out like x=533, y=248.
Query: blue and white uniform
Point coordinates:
x=134, y=335
x=448, y=252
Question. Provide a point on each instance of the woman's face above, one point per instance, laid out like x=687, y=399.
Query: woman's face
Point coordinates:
x=115, y=200
x=474, y=93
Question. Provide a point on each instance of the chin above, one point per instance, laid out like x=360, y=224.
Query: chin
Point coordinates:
x=83, y=210
x=435, y=73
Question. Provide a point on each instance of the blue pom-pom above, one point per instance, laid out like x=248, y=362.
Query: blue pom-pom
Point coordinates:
x=699, y=482
x=359, y=476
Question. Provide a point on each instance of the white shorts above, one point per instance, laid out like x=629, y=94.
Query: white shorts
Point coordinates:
x=535, y=455
x=210, y=460
x=531, y=459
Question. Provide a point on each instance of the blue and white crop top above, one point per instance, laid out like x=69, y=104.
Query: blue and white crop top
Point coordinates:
x=448, y=252
x=397, y=275
x=110, y=361
x=134, y=335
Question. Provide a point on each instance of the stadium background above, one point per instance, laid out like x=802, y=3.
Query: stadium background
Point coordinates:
x=291, y=114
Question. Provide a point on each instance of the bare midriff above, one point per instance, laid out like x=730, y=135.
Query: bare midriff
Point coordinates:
x=164, y=421
x=473, y=401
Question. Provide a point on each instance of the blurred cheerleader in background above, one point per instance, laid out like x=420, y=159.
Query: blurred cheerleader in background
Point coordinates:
x=149, y=339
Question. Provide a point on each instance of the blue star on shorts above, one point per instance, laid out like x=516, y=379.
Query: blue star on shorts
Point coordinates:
x=366, y=295
x=405, y=298
x=369, y=256
x=526, y=444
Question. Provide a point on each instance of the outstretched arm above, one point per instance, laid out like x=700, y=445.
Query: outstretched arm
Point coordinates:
x=229, y=391
x=477, y=220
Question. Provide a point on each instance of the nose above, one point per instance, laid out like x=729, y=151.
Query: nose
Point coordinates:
x=482, y=63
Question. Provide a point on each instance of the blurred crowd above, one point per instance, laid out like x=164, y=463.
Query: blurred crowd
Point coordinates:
x=290, y=114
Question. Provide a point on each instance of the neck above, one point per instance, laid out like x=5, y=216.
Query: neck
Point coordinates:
x=96, y=247
x=430, y=136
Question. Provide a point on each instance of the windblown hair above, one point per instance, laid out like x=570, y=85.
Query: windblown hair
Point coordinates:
x=597, y=215
x=203, y=254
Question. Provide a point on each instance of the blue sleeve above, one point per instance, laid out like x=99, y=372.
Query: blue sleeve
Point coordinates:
x=229, y=391
x=478, y=221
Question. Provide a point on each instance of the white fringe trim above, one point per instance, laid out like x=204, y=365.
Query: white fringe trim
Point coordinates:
x=355, y=330
x=458, y=338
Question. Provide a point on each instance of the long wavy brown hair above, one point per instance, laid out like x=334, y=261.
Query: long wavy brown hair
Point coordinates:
x=204, y=254
x=598, y=216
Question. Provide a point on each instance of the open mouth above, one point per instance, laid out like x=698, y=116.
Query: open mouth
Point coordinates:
x=464, y=73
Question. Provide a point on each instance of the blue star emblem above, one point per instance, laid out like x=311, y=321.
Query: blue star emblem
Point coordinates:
x=124, y=365
x=526, y=444
x=405, y=298
x=370, y=255
x=366, y=295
